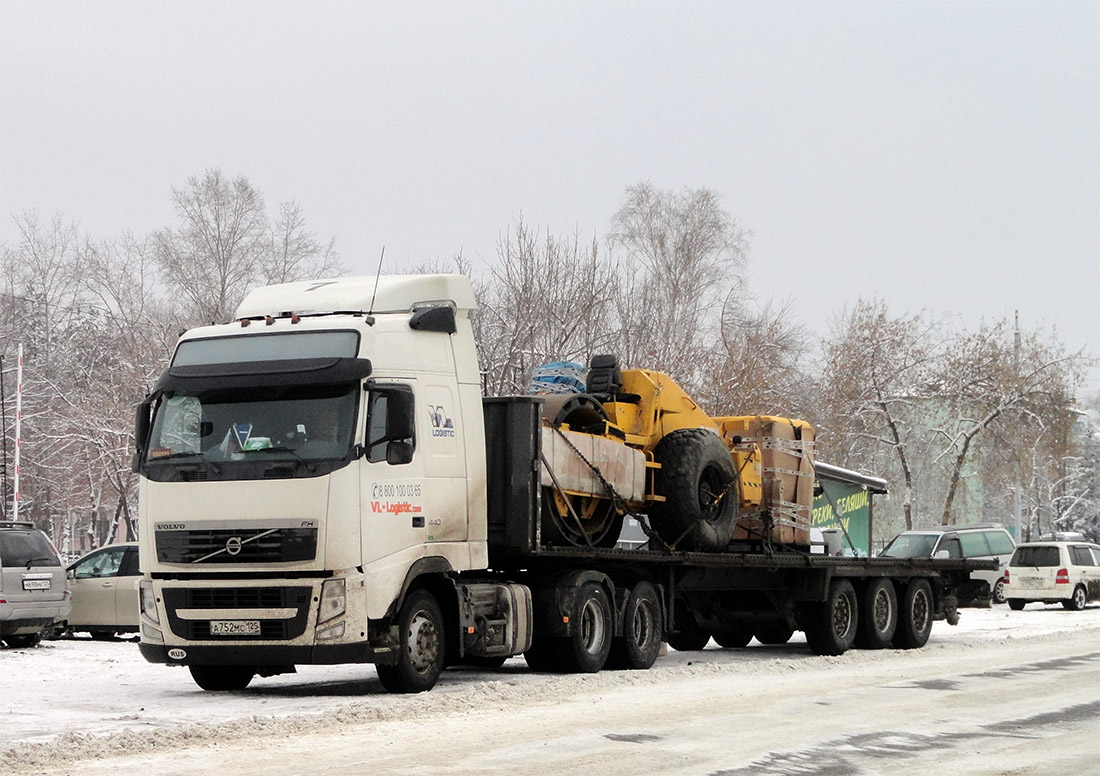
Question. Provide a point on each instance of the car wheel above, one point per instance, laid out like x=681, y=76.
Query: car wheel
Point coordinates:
x=1077, y=601
x=1016, y=604
x=999, y=592
x=24, y=640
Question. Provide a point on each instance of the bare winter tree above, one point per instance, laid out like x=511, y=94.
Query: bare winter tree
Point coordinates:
x=548, y=299
x=226, y=244
x=685, y=253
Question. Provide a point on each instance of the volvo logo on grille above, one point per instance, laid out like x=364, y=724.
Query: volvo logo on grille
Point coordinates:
x=233, y=545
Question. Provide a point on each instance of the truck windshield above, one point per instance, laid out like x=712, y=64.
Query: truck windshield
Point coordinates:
x=301, y=423
x=910, y=546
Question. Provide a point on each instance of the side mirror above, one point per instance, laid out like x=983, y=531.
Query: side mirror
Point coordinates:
x=399, y=453
x=142, y=425
x=942, y=554
x=400, y=417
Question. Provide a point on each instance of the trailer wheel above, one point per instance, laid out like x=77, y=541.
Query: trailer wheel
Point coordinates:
x=831, y=625
x=222, y=678
x=643, y=627
x=421, y=646
x=734, y=637
x=915, y=616
x=542, y=655
x=772, y=632
x=585, y=649
x=878, y=616
x=690, y=636
x=701, y=491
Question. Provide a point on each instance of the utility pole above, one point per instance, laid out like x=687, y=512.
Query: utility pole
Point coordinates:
x=1017, y=498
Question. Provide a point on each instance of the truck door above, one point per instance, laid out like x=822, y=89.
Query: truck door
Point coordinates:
x=413, y=475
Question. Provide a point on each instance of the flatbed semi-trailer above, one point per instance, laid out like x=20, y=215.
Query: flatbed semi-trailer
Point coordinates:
x=321, y=481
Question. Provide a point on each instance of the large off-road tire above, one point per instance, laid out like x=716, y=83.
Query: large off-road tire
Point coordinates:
x=772, y=632
x=599, y=522
x=222, y=678
x=700, y=486
x=1016, y=604
x=591, y=628
x=643, y=629
x=878, y=615
x=832, y=624
x=689, y=635
x=915, y=615
x=1077, y=601
x=24, y=640
x=421, y=646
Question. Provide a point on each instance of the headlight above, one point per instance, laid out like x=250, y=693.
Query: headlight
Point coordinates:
x=148, y=600
x=334, y=600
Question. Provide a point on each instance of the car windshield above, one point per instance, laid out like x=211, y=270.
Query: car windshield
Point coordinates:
x=23, y=548
x=311, y=422
x=911, y=546
x=1035, y=556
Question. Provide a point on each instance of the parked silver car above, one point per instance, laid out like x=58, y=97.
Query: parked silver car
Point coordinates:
x=1054, y=572
x=979, y=542
x=33, y=593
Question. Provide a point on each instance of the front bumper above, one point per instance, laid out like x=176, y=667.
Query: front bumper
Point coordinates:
x=267, y=654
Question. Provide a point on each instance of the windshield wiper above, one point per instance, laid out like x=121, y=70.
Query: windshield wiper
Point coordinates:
x=170, y=456
x=282, y=449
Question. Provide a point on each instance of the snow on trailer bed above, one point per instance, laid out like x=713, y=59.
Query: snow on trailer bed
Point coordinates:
x=97, y=707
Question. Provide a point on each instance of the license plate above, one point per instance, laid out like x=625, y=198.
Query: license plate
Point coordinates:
x=234, y=627
x=36, y=584
x=1032, y=583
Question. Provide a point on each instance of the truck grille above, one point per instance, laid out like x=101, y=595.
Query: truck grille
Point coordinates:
x=276, y=545
x=229, y=599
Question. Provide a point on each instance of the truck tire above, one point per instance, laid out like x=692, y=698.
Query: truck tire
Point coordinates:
x=585, y=649
x=878, y=615
x=734, y=637
x=542, y=655
x=1016, y=604
x=1077, y=601
x=689, y=636
x=222, y=678
x=772, y=632
x=915, y=615
x=643, y=628
x=421, y=646
x=701, y=491
x=832, y=624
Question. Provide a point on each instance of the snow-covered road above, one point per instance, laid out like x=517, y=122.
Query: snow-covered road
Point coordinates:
x=1005, y=692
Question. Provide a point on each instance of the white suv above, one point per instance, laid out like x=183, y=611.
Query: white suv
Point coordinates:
x=33, y=593
x=978, y=542
x=1054, y=572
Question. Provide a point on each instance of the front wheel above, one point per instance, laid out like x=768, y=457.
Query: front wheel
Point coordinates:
x=222, y=678
x=1077, y=601
x=700, y=486
x=915, y=616
x=421, y=648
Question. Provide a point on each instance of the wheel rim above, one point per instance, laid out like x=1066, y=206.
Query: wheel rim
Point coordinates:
x=423, y=642
x=592, y=626
x=1079, y=598
x=920, y=611
x=643, y=623
x=842, y=616
x=883, y=611
x=999, y=592
x=712, y=490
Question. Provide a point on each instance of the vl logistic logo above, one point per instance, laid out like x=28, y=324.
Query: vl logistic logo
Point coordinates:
x=442, y=425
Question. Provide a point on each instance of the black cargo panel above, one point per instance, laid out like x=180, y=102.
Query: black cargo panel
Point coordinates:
x=512, y=446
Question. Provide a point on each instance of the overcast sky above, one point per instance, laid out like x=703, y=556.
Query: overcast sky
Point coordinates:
x=941, y=156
